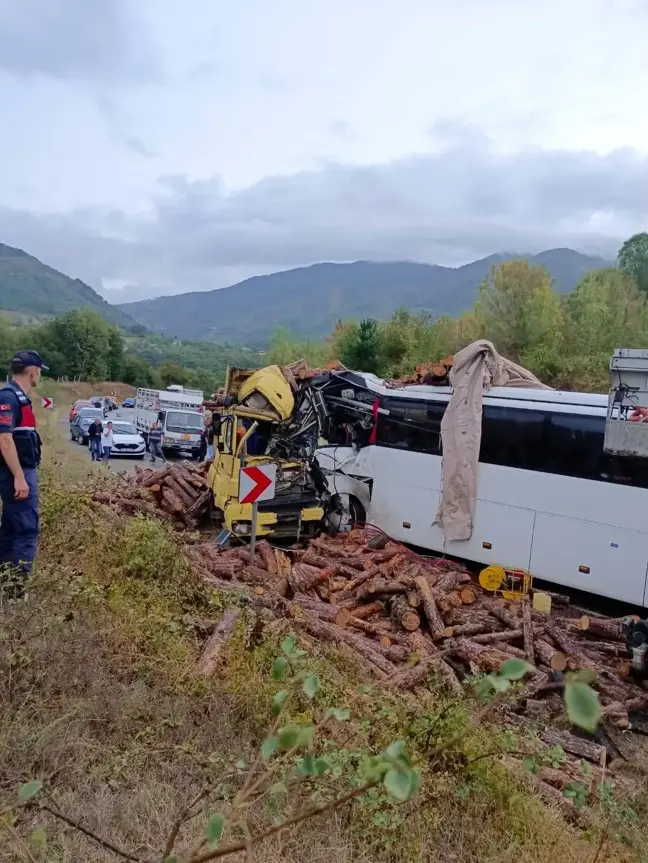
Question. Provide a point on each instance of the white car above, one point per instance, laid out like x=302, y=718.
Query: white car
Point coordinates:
x=127, y=441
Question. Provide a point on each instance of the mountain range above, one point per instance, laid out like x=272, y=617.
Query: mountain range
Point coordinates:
x=307, y=300
x=30, y=286
x=310, y=300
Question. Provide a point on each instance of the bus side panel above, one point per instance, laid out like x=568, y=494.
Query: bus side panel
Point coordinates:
x=406, y=490
x=501, y=534
x=617, y=559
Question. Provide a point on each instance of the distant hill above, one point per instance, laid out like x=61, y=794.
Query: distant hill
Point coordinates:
x=309, y=300
x=29, y=286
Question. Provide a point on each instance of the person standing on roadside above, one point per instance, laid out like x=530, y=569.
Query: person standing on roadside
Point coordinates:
x=20, y=455
x=107, y=442
x=94, y=436
x=156, y=439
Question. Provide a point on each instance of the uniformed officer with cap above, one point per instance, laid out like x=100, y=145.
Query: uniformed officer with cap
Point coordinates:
x=20, y=452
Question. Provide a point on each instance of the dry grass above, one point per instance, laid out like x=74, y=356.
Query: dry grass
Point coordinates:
x=98, y=698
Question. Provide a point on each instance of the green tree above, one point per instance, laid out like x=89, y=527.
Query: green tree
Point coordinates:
x=519, y=311
x=115, y=357
x=76, y=344
x=172, y=373
x=604, y=312
x=633, y=260
x=138, y=373
x=363, y=352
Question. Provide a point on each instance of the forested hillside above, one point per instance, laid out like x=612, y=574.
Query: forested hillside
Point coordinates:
x=27, y=285
x=81, y=345
x=310, y=300
x=566, y=340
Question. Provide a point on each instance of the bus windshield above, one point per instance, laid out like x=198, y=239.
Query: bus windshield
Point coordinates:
x=184, y=422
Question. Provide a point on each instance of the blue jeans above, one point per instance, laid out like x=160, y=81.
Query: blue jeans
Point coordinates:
x=155, y=449
x=20, y=523
x=95, y=448
x=106, y=453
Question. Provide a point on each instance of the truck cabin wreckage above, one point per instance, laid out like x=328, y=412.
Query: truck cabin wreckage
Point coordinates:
x=277, y=416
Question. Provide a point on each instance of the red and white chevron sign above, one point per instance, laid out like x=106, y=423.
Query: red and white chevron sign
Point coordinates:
x=257, y=483
x=47, y=403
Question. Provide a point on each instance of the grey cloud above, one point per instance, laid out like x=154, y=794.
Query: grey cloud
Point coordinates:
x=75, y=39
x=450, y=207
x=119, y=126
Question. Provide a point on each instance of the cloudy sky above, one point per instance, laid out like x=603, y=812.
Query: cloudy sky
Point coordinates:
x=154, y=146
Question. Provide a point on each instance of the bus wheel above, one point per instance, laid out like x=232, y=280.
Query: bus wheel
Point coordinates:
x=344, y=512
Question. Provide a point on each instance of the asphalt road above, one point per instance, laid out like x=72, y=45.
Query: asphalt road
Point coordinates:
x=121, y=464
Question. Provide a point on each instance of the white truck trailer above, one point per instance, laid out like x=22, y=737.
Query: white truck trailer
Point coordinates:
x=179, y=411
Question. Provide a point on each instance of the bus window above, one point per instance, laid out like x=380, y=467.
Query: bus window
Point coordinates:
x=512, y=437
x=575, y=445
x=411, y=424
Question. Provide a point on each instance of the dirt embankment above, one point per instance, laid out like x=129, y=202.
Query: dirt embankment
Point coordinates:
x=81, y=389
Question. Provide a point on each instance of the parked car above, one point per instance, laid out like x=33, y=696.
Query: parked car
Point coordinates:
x=127, y=441
x=81, y=423
x=128, y=403
x=79, y=403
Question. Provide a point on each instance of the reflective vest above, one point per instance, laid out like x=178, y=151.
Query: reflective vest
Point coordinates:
x=25, y=436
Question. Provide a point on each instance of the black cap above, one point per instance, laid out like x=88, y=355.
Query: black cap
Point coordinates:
x=30, y=358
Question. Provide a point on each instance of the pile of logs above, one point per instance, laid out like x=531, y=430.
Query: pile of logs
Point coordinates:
x=175, y=492
x=382, y=603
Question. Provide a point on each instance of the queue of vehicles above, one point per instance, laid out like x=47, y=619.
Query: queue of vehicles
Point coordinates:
x=178, y=411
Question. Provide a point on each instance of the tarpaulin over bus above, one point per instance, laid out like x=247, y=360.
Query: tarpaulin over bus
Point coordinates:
x=476, y=369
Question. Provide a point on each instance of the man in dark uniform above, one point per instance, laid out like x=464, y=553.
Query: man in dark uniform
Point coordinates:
x=20, y=450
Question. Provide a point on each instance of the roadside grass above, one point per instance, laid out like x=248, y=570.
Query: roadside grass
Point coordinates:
x=99, y=699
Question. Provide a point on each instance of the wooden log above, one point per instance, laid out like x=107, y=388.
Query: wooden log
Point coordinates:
x=502, y=637
x=155, y=477
x=600, y=627
x=527, y=630
x=364, y=611
x=355, y=582
x=576, y=657
x=266, y=552
x=313, y=559
x=413, y=675
x=608, y=648
x=322, y=610
x=468, y=595
x=484, y=656
x=173, y=501
x=434, y=619
x=420, y=643
x=170, y=483
x=303, y=577
x=452, y=580
x=370, y=651
x=467, y=629
x=450, y=617
x=385, y=588
x=413, y=598
x=445, y=602
x=504, y=616
x=587, y=749
x=403, y=614
x=180, y=478
x=510, y=649
x=212, y=654
x=555, y=659
x=200, y=503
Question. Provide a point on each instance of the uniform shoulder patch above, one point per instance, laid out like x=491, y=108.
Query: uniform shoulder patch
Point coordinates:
x=6, y=407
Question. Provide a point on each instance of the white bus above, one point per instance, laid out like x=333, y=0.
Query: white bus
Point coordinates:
x=549, y=499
